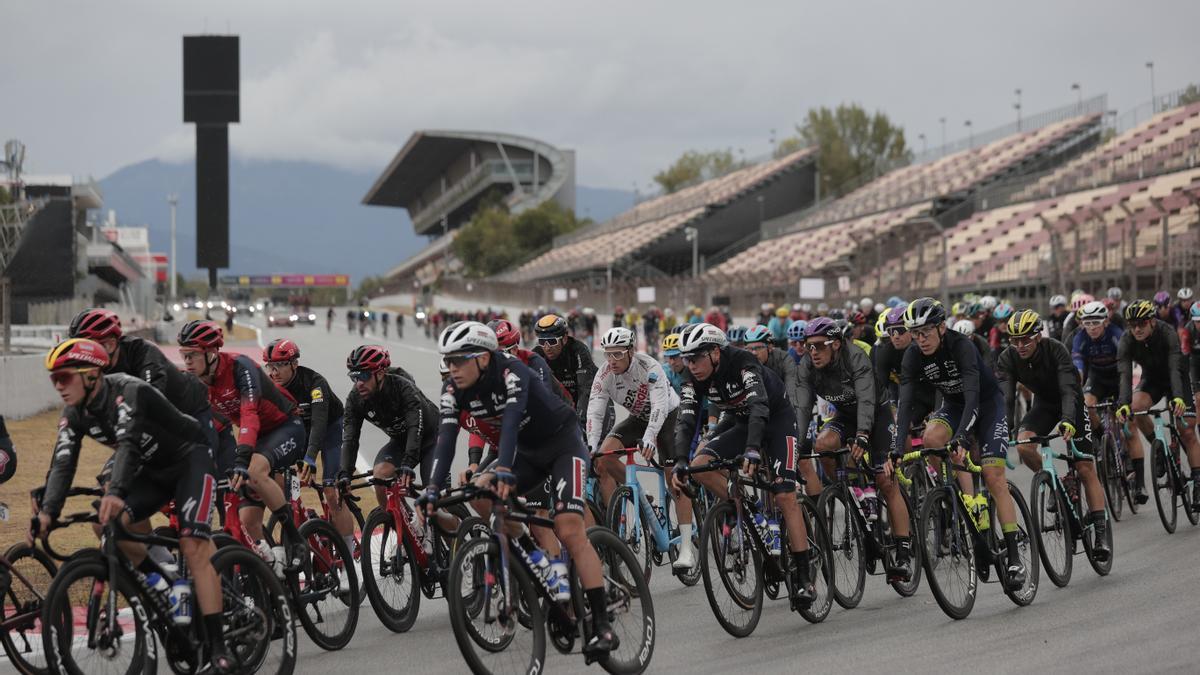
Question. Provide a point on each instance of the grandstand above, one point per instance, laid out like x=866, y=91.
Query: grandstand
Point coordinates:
x=650, y=239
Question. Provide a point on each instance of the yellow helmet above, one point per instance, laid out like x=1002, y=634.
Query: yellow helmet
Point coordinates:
x=670, y=344
x=1024, y=322
x=77, y=353
x=879, y=323
x=782, y=312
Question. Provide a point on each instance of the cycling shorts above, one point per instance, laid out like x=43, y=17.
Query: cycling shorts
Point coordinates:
x=1160, y=388
x=1043, y=418
x=779, y=451
x=631, y=430
x=283, y=447
x=191, y=483
x=1103, y=386
x=883, y=430
x=393, y=452
x=331, y=452
x=991, y=427
x=563, y=461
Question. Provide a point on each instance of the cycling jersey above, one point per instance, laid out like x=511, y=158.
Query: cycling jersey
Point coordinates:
x=886, y=363
x=539, y=366
x=779, y=363
x=241, y=393
x=985, y=350
x=1054, y=325
x=1163, y=371
x=145, y=360
x=479, y=437
x=848, y=382
x=1192, y=331
x=156, y=444
x=1049, y=374
x=970, y=395
x=643, y=390
x=1096, y=357
x=575, y=369
x=319, y=408
x=400, y=410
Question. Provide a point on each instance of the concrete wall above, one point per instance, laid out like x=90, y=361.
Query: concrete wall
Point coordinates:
x=24, y=387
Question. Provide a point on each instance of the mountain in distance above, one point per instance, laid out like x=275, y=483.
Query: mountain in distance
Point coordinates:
x=290, y=216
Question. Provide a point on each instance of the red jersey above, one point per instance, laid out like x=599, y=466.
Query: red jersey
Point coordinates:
x=241, y=393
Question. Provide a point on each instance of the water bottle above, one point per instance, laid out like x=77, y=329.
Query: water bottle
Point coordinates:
x=981, y=513
x=760, y=522
x=774, y=542
x=541, y=567
x=562, y=586
x=156, y=583
x=181, y=602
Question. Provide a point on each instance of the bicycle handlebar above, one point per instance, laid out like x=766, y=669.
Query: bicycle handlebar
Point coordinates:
x=59, y=524
x=943, y=452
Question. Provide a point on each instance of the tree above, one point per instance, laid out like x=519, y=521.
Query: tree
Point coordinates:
x=694, y=166
x=1189, y=95
x=5, y=198
x=853, y=146
x=787, y=146
x=495, y=240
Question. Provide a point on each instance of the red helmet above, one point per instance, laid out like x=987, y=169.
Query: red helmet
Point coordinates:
x=280, y=350
x=77, y=353
x=201, y=335
x=95, y=324
x=858, y=318
x=506, y=333
x=368, y=357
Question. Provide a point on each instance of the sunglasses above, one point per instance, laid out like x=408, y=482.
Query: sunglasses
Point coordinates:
x=1139, y=323
x=757, y=347
x=277, y=365
x=616, y=356
x=897, y=331
x=1023, y=341
x=692, y=358
x=459, y=359
x=361, y=375
x=924, y=333
x=549, y=342
x=63, y=377
x=1094, y=323
x=817, y=346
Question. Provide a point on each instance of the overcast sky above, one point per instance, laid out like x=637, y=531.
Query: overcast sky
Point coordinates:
x=92, y=86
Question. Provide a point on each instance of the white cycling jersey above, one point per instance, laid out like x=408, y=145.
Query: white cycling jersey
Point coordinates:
x=644, y=390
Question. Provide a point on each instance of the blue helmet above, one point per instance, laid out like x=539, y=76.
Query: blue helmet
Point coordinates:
x=1196, y=311
x=736, y=333
x=796, y=330
x=895, y=301
x=758, y=333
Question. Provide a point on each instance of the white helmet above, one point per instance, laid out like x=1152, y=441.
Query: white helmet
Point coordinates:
x=1056, y=300
x=617, y=337
x=1114, y=293
x=1185, y=294
x=701, y=336
x=966, y=326
x=467, y=336
x=880, y=308
x=1093, y=310
x=866, y=304
x=989, y=302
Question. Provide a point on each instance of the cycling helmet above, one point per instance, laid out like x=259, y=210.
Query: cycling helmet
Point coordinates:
x=549, y=326
x=823, y=327
x=1093, y=310
x=368, y=357
x=1162, y=299
x=1114, y=293
x=507, y=335
x=843, y=327
x=1058, y=301
x=1002, y=311
x=880, y=308
x=281, y=350
x=1196, y=312
x=957, y=309
x=1185, y=294
x=782, y=312
x=1138, y=310
x=77, y=353
x=894, y=318
x=895, y=300
x=965, y=326
x=701, y=336
x=1081, y=300
x=95, y=324
x=795, y=331
x=736, y=334
x=837, y=315
x=1024, y=322
x=989, y=302
x=670, y=344
x=857, y=318
x=975, y=309
x=471, y=336
x=758, y=334
x=201, y=334
x=881, y=323
x=678, y=328
x=617, y=337
x=924, y=312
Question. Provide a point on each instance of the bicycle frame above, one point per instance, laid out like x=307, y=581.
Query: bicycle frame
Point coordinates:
x=397, y=507
x=1048, y=457
x=661, y=535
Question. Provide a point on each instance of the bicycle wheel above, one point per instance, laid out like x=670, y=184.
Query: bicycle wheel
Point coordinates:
x=326, y=591
x=82, y=636
x=1110, y=472
x=948, y=553
x=489, y=633
x=1052, y=527
x=820, y=563
x=906, y=589
x=390, y=573
x=1185, y=495
x=257, y=613
x=630, y=608
x=846, y=544
x=1027, y=547
x=1165, y=496
x=626, y=519
x=468, y=529
x=22, y=607
x=732, y=571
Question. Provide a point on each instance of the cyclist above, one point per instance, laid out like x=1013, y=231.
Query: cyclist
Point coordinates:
x=384, y=319
x=778, y=326
x=757, y=420
x=538, y=439
x=1058, y=314
x=972, y=406
x=796, y=339
x=1162, y=308
x=1094, y=353
x=159, y=456
x=1043, y=366
x=570, y=361
x=395, y=405
x=1192, y=335
x=321, y=412
x=967, y=327
x=998, y=336
x=1181, y=314
x=759, y=342
x=736, y=335
x=839, y=372
x=640, y=385
x=509, y=339
x=8, y=456
x=329, y=320
x=1154, y=345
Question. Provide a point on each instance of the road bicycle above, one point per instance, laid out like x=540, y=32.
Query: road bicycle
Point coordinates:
x=740, y=561
x=502, y=607
x=1113, y=462
x=960, y=540
x=649, y=528
x=859, y=544
x=25, y=575
x=1171, y=487
x=1059, y=505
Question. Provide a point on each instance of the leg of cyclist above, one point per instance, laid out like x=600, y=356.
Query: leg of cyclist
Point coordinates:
x=1089, y=400
x=1091, y=485
x=727, y=443
x=937, y=434
x=780, y=439
x=887, y=486
x=331, y=455
x=1040, y=420
x=992, y=436
x=1139, y=427
x=610, y=469
x=280, y=448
